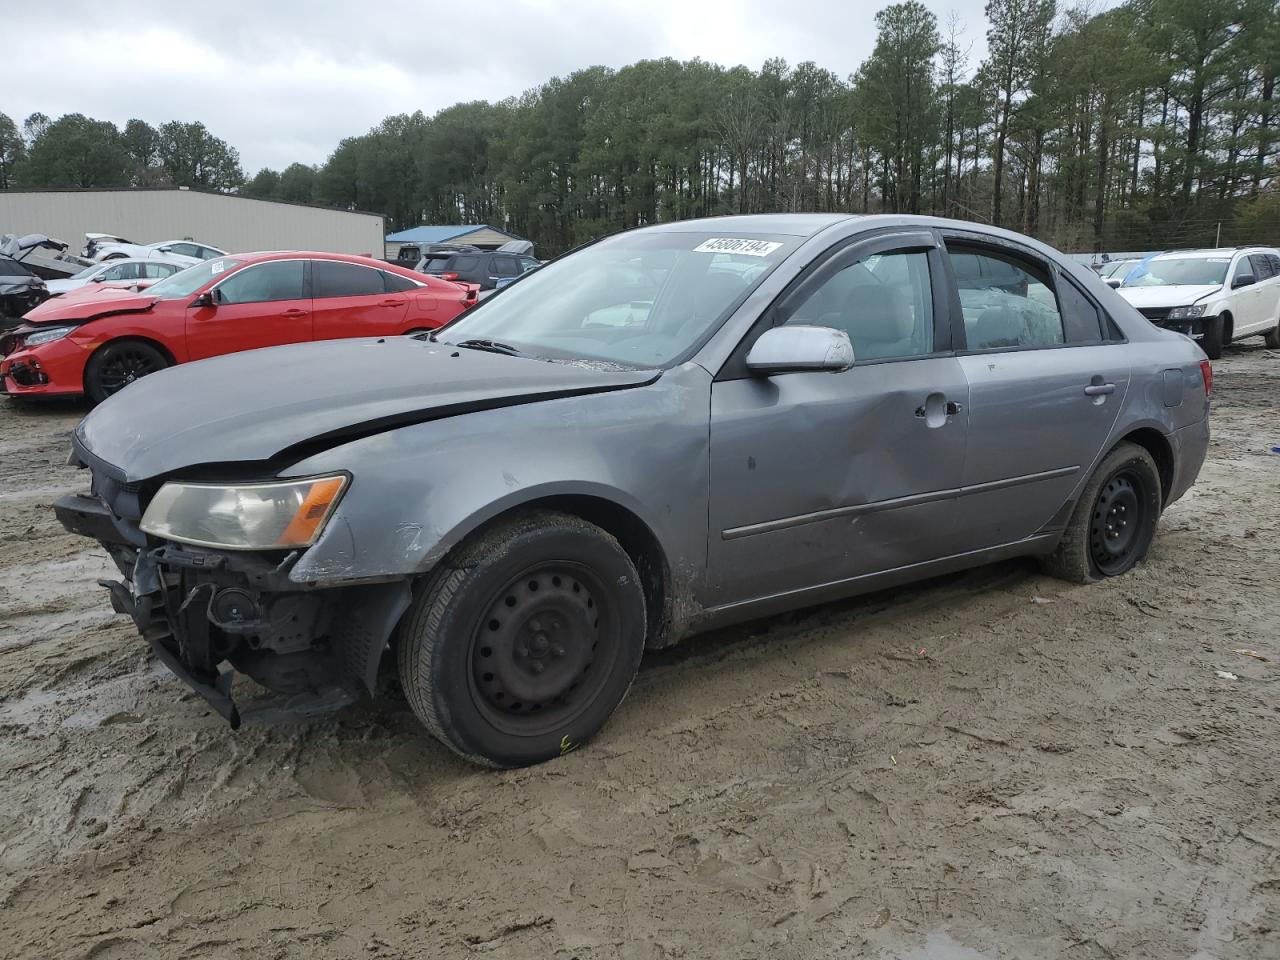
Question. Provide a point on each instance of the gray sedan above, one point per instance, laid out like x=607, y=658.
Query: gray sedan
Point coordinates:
x=671, y=429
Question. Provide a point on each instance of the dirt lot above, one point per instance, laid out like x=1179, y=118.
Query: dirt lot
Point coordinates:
x=990, y=765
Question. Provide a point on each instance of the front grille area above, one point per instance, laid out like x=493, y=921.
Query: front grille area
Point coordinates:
x=1155, y=313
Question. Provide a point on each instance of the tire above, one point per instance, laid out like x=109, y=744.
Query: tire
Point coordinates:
x=1272, y=337
x=1215, y=337
x=117, y=364
x=521, y=646
x=1114, y=522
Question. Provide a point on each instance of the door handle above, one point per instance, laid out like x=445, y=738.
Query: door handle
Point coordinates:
x=294, y=314
x=392, y=303
x=1099, y=389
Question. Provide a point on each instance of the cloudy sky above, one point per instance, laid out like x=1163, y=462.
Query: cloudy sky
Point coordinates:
x=285, y=80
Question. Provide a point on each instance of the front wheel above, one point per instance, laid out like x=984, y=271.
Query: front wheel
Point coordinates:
x=116, y=365
x=523, y=644
x=1114, y=522
x=1215, y=337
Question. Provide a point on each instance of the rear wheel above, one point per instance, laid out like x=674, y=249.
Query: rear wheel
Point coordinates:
x=1272, y=337
x=1114, y=522
x=525, y=642
x=116, y=365
x=1215, y=337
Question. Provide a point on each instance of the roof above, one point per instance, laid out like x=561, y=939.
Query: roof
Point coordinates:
x=786, y=224
x=443, y=234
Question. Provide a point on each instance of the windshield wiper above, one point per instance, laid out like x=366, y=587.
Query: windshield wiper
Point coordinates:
x=492, y=346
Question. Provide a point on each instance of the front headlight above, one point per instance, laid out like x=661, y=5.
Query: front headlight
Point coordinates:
x=47, y=335
x=254, y=516
x=1187, y=313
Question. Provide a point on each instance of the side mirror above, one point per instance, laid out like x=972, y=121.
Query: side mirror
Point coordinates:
x=1113, y=282
x=1243, y=281
x=204, y=300
x=800, y=347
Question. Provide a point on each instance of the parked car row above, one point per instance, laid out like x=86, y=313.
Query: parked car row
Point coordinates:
x=100, y=339
x=106, y=246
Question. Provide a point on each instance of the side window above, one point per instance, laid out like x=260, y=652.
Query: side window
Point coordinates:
x=157, y=270
x=1081, y=318
x=1243, y=269
x=884, y=303
x=206, y=253
x=1013, y=305
x=1274, y=260
x=527, y=264
x=335, y=278
x=183, y=249
x=263, y=283
x=465, y=264
x=505, y=266
x=1261, y=267
x=395, y=283
x=122, y=271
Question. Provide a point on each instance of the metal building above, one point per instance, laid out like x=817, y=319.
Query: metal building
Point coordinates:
x=233, y=223
x=476, y=234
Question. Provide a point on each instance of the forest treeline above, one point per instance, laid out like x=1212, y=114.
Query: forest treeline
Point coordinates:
x=1148, y=124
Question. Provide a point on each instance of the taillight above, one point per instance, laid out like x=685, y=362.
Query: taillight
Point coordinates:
x=448, y=276
x=1206, y=374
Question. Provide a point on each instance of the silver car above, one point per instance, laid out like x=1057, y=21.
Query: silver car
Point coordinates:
x=672, y=429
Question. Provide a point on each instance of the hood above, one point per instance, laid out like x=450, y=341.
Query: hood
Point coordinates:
x=1173, y=296
x=20, y=247
x=279, y=404
x=101, y=301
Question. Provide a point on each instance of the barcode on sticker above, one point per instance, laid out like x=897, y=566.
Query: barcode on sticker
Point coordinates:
x=749, y=248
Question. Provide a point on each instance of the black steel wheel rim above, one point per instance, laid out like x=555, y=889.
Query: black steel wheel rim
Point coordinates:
x=543, y=648
x=1119, y=517
x=125, y=365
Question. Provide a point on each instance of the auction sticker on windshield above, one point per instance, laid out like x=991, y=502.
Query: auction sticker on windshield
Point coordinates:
x=750, y=248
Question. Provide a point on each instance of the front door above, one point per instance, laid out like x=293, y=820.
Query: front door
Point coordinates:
x=822, y=477
x=1046, y=384
x=261, y=305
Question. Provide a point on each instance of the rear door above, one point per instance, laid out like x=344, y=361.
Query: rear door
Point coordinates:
x=261, y=305
x=1045, y=382
x=823, y=477
x=1266, y=293
x=351, y=300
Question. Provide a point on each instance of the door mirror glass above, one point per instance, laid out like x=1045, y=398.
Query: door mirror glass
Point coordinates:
x=1114, y=282
x=1242, y=280
x=795, y=347
x=98, y=279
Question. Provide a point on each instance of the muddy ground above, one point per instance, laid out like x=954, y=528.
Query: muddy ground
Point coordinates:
x=990, y=765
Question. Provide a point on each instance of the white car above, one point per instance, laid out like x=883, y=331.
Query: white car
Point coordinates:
x=107, y=246
x=1214, y=295
x=121, y=273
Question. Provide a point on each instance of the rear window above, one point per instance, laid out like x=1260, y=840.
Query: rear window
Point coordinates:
x=435, y=264
x=336, y=278
x=396, y=283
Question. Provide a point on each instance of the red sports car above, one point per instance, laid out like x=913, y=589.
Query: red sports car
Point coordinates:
x=97, y=345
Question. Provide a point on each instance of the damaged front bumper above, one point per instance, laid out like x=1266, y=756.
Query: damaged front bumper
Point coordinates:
x=208, y=614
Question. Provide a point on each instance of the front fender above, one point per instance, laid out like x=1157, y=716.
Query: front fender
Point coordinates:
x=418, y=491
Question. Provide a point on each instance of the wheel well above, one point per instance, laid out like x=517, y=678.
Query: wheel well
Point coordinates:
x=169, y=358
x=1154, y=442
x=1228, y=324
x=636, y=539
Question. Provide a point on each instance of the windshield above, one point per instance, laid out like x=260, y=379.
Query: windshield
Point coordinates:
x=186, y=282
x=1179, y=272
x=638, y=299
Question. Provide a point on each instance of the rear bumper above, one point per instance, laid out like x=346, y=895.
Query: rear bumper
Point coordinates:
x=1190, y=447
x=210, y=614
